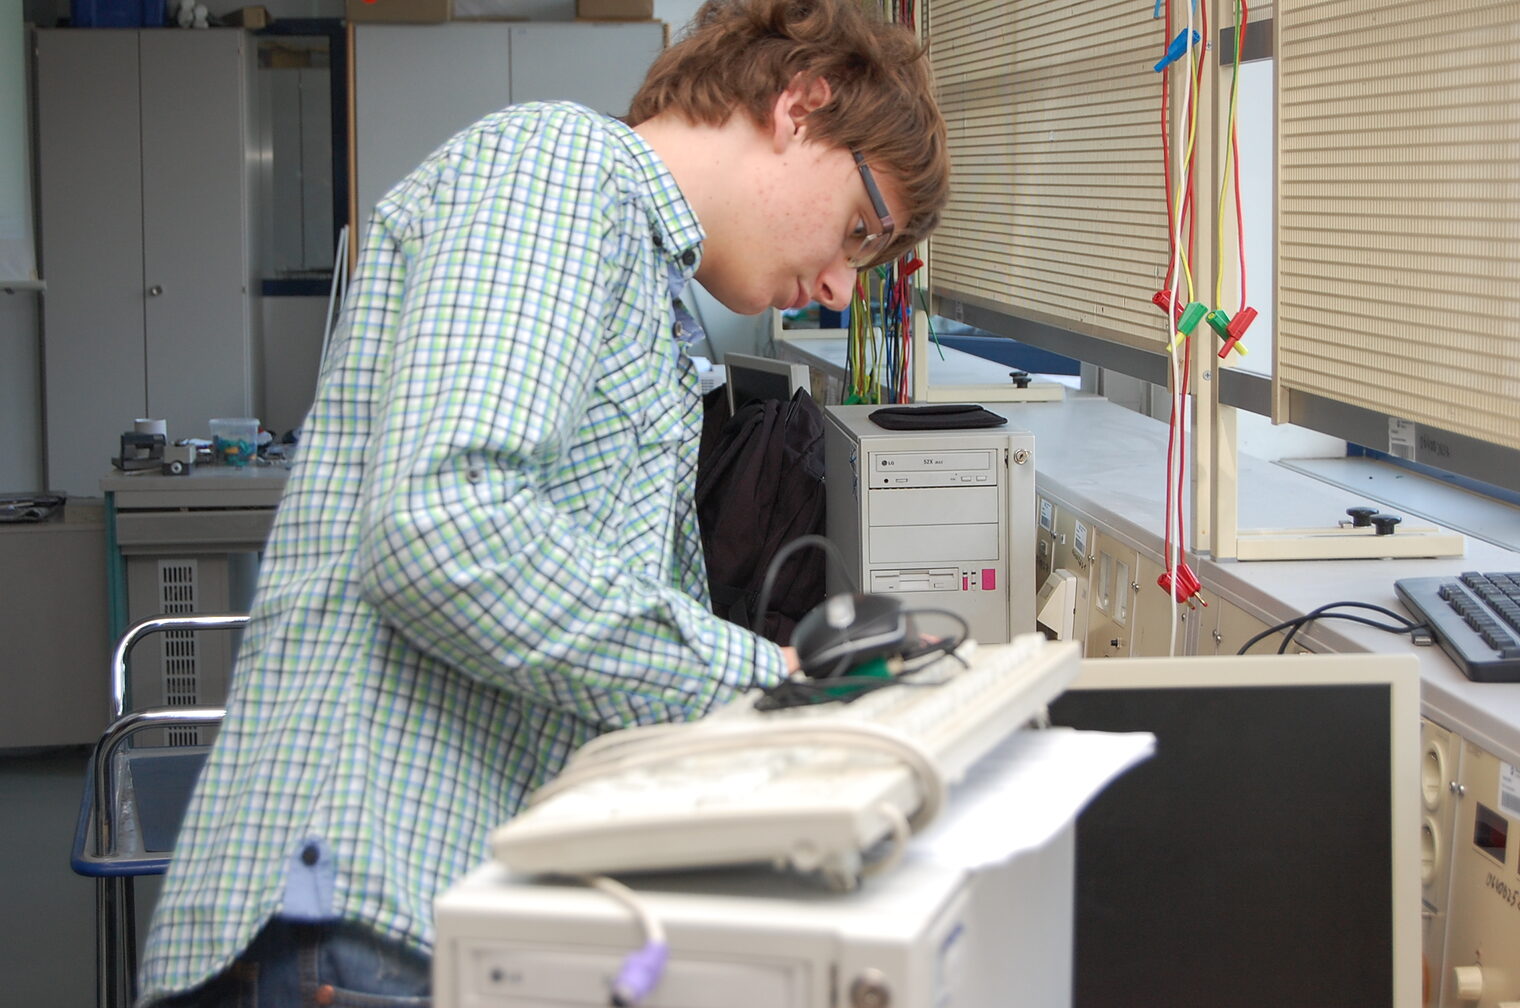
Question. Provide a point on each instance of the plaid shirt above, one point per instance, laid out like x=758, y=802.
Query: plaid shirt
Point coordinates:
x=487, y=552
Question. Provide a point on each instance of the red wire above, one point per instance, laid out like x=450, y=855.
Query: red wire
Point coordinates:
x=1189, y=220
x=1176, y=474
x=1182, y=457
x=1240, y=223
x=1166, y=159
x=1192, y=218
x=1171, y=263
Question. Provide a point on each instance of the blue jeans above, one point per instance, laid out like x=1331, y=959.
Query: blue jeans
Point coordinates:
x=294, y=964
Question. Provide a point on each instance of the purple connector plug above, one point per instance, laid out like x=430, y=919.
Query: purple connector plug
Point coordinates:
x=640, y=975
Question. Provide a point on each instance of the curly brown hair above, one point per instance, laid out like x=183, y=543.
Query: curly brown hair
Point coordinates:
x=738, y=55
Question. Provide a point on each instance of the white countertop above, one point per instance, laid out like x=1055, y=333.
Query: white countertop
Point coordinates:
x=1111, y=461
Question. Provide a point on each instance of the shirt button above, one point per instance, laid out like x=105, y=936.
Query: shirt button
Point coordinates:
x=325, y=995
x=474, y=475
x=657, y=240
x=310, y=855
x=688, y=257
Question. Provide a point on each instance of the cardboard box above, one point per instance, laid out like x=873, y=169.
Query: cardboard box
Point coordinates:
x=247, y=17
x=399, y=11
x=514, y=10
x=614, y=10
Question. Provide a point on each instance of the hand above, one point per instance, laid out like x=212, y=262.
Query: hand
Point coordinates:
x=792, y=662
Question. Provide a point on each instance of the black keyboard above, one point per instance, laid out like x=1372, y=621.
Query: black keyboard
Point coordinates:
x=1475, y=617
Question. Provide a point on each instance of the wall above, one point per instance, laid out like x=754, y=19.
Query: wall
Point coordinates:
x=20, y=394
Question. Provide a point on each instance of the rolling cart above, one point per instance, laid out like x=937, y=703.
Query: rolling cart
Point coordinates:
x=134, y=798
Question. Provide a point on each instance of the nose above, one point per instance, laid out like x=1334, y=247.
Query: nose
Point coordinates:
x=835, y=285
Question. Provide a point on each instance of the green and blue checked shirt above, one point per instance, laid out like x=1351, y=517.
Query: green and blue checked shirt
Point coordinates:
x=487, y=552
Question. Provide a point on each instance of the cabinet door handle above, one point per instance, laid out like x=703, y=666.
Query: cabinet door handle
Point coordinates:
x=155, y=290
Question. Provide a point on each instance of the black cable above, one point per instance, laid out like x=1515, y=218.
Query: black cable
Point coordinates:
x=1293, y=625
x=1403, y=624
x=774, y=567
x=944, y=645
x=797, y=692
x=806, y=692
x=1299, y=622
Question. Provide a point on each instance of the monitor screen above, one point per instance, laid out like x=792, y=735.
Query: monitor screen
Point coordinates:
x=1267, y=855
x=749, y=377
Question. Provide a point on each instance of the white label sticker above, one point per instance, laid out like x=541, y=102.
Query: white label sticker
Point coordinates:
x=1080, y=541
x=1509, y=789
x=1047, y=515
x=1402, y=438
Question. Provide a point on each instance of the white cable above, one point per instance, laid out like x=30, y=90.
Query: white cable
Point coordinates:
x=653, y=930
x=643, y=968
x=1180, y=155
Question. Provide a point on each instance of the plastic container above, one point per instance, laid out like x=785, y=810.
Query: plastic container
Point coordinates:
x=234, y=440
x=116, y=13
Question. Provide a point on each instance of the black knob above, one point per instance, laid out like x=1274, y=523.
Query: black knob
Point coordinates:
x=1361, y=515
x=1383, y=524
x=1020, y=378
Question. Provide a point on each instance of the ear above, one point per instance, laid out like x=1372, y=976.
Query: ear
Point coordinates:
x=792, y=106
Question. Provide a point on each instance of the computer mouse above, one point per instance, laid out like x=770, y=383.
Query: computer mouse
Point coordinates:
x=844, y=631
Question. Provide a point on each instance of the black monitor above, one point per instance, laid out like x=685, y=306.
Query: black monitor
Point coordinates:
x=1267, y=855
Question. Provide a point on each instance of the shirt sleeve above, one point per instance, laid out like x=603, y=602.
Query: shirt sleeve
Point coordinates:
x=508, y=280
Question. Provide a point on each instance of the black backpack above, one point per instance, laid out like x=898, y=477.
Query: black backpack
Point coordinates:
x=759, y=486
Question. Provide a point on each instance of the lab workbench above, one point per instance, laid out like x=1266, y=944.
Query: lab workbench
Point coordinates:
x=1110, y=462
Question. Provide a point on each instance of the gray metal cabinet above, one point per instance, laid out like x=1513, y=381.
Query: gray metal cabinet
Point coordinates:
x=55, y=658
x=417, y=85
x=144, y=154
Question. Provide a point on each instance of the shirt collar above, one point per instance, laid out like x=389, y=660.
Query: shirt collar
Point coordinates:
x=674, y=227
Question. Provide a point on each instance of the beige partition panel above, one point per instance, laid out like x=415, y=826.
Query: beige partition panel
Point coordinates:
x=1399, y=210
x=1058, y=212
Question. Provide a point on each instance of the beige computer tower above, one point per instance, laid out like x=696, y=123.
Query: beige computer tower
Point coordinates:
x=939, y=519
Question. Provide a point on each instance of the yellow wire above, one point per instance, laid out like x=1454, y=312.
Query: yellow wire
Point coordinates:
x=1187, y=160
x=859, y=327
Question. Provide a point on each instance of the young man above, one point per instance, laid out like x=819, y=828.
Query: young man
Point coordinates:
x=487, y=553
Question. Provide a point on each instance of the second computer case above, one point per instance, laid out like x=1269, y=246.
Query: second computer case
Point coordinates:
x=940, y=519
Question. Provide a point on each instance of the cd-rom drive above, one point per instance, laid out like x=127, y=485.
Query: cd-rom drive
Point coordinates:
x=940, y=519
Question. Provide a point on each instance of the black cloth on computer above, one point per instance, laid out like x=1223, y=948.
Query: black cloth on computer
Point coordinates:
x=936, y=416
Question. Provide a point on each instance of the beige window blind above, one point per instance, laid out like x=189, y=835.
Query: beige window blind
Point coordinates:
x=1058, y=212
x=1399, y=211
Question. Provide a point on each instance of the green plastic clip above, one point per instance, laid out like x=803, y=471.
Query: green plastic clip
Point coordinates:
x=1191, y=316
x=1219, y=321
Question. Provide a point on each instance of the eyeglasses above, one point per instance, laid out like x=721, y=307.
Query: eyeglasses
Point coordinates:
x=861, y=248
